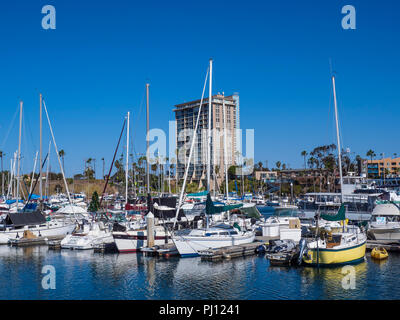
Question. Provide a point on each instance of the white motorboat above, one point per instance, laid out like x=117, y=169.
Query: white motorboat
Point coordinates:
x=385, y=224
x=210, y=238
x=75, y=211
x=14, y=225
x=93, y=234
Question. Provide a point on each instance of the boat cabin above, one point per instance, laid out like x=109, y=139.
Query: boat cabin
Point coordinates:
x=22, y=219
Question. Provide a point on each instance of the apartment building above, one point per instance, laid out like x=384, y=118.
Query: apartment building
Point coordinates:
x=186, y=116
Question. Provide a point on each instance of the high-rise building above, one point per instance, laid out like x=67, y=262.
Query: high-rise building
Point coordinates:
x=186, y=116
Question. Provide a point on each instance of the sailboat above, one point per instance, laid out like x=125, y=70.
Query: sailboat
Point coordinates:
x=217, y=236
x=133, y=237
x=14, y=224
x=336, y=248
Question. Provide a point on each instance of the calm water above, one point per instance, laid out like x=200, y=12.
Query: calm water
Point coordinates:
x=88, y=275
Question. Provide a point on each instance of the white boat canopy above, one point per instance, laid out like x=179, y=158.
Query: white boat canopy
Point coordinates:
x=386, y=209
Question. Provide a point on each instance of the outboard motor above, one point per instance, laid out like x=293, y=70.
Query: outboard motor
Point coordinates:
x=261, y=249
x=303, y=248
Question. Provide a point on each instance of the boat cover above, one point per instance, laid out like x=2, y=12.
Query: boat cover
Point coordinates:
x=164, y=213
x=198, y=194
x=25, y=218
x=212, y=209
x=341, y=215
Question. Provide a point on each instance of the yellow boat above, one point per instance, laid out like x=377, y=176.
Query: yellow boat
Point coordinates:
x=337, y=248
x=341, y=248
x=379, y=253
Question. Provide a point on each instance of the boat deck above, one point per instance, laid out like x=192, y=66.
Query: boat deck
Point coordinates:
x=166, y=250
x=21, y=242
x=230, y=252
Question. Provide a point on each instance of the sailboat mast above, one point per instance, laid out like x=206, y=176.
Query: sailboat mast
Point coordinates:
x=59, y=161
x=33, y=173
x=47, y=172
x=209, y=128
x=147, y=139
x=225, y=147
x=127, y=162
x=338, y=138
x=190, y=155
x=19, y=148
x=40, y=149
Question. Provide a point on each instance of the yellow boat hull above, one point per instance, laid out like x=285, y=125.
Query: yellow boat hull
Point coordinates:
x=379, y=254
x=333, y=257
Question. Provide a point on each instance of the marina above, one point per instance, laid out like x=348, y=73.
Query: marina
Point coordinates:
x=200, y=151
x=84, y=275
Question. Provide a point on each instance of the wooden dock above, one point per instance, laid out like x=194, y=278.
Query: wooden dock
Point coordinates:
x=390, y=246
x=230, y=252
x=24, y=242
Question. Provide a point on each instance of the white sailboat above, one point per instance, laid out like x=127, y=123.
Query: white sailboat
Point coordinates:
x=14, y=224
x=210, y=237
x=133, y=237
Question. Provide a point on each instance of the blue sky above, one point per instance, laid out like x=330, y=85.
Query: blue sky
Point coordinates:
x=93, y=68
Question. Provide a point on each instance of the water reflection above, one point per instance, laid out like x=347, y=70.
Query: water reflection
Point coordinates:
x=330, y=280
x=88, y=275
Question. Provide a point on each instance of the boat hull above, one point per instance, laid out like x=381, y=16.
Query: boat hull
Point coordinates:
x=127, y=242
x=60, y=230
x=385, y=233
x=190, y=246
x=335, y=257
x=75, y=242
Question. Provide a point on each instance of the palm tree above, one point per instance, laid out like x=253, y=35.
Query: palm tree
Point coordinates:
x=278, y=165
x=88, y=168
x=61, y=154
x=371, y=154
x=304, y=154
